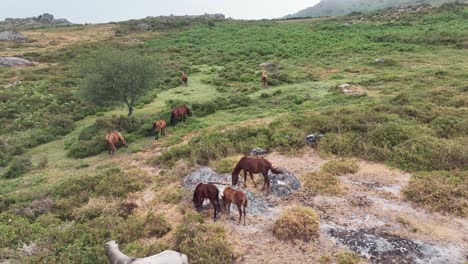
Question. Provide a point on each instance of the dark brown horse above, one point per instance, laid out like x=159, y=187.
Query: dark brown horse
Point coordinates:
x=159, y=126
x=239, y=198
x=264, y=78
x=179, y=112
x=184, y=79
x=112, y=139
x=254, y=165
x=206, y=191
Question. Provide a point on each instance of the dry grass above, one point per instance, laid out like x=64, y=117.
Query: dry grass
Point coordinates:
x=340, y=167
x=322, y=183
x=297, y=223
x=225, y=165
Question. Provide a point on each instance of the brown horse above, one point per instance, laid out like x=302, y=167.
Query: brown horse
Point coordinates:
x=206, y=191
x=254, y=165
x=231, y=195
x=112, y=139
x=179, y=112
x=264, y=78
x=159, y=126
x=184, y=79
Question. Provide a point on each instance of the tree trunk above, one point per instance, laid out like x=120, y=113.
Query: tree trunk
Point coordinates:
x=130, y=110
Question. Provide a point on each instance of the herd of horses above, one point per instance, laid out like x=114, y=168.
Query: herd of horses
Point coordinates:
x=250, y=165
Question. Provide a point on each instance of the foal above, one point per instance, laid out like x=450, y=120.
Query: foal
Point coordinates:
x=231, y=195
x=160, y=128
x=208, y=191
x=184, y=79
x=264, y=79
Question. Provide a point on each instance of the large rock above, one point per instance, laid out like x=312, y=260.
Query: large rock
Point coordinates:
x=268, y=65
x=12, y=36
x=283, y=184
x=351, y=89
x=13, y=61
x=46, y=17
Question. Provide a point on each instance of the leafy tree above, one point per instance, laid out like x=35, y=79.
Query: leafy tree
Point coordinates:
x=112, y=75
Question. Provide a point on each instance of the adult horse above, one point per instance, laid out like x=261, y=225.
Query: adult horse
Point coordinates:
x=264, y=78
x=159, y=126
x=206, y=191
x=237, y=197
x=179, y=112
x=184, y=79
x=112, y=139
x=254, y=165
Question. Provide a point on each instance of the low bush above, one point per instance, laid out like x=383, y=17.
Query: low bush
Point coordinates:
x=440, y=191
x=348, y=257
x=297, y=223
x=17, y=167
x=340, y=167
x=322, y=183
x=203, y=243
x=225, y=165
x=203, y=109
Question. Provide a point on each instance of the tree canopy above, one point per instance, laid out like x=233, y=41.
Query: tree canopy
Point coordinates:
x=112, y=76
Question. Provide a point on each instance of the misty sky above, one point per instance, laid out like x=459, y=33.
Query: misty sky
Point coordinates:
x=95, y=11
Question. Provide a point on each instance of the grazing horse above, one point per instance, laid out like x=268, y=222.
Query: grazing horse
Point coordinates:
x=111, y=139
x=264, y=78
x=184, y=79
x=159, y=126
x=231, y=195
x=206, y=191
x=179, y=112
x=115, y=256
x=254, y=165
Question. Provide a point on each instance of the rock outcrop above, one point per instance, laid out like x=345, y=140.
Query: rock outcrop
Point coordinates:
x=12, y=36
x=13, y=61
x=40, y=21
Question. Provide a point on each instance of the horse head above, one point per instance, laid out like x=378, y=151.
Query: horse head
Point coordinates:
x=235, y=178
x=189, y=113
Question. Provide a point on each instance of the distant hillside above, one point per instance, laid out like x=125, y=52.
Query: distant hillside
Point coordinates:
x=341, y=7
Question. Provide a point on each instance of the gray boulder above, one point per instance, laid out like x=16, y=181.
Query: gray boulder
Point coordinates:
x=268, y=65
x=258, y=151
x=46, y=17
x=13, y=61
x=12, y=36
x=380, y=60
x=284, y=184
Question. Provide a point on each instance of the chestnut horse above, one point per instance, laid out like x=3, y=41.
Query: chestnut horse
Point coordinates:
x=206, y=191
x=159, y=126
x=231, y=195
x=254, y=165
x=184, y=79
x=179, y=112
x=111, y=139
x=264, y=78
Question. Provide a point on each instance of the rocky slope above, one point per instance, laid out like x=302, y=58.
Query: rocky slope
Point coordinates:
x=40, y=21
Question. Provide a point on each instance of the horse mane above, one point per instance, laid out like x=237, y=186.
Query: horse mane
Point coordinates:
x=236, y=171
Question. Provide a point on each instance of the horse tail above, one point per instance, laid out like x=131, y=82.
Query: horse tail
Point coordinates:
x=276, y=171
x=173, y=118
x=218, y=205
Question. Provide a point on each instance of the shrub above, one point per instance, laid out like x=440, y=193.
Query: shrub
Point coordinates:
x=203, y=109
x=429, y=153
x=225, y=165
x=440, y=191
x=322, y=182
x=203, y=243
x=297, y=223
x=17, y=167
x=83, y=149
x=340, y=167
x=348, y=257
x=346, y=144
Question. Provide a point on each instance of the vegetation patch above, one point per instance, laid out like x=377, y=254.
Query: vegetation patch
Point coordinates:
x=322, y=183
x=440, y=191
x=340, y=167
x=297, y=223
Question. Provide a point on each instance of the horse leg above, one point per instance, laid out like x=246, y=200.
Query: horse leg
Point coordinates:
x=251, y=176
x=245, y=179
x=163, y=132
x=213, y=203
x=267, y=181
x=183, y=117
x=239, y=207
x=156, y=136
x=244, y=214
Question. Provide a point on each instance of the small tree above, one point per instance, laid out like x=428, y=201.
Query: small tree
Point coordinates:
x=112, y=75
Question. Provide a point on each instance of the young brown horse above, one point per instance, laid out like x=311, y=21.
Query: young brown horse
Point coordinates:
x=159, y=126
x=208, y=191
x=254, y=165
x=264, y=78
x=231, y=195
x=179, y=112
x=112, y=139
x=184, y=79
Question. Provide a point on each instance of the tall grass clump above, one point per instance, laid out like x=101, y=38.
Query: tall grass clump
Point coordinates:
x=297, y=223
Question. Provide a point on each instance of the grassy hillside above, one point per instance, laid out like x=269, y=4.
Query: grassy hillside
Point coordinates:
x=341, y=8
x=61, y=195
